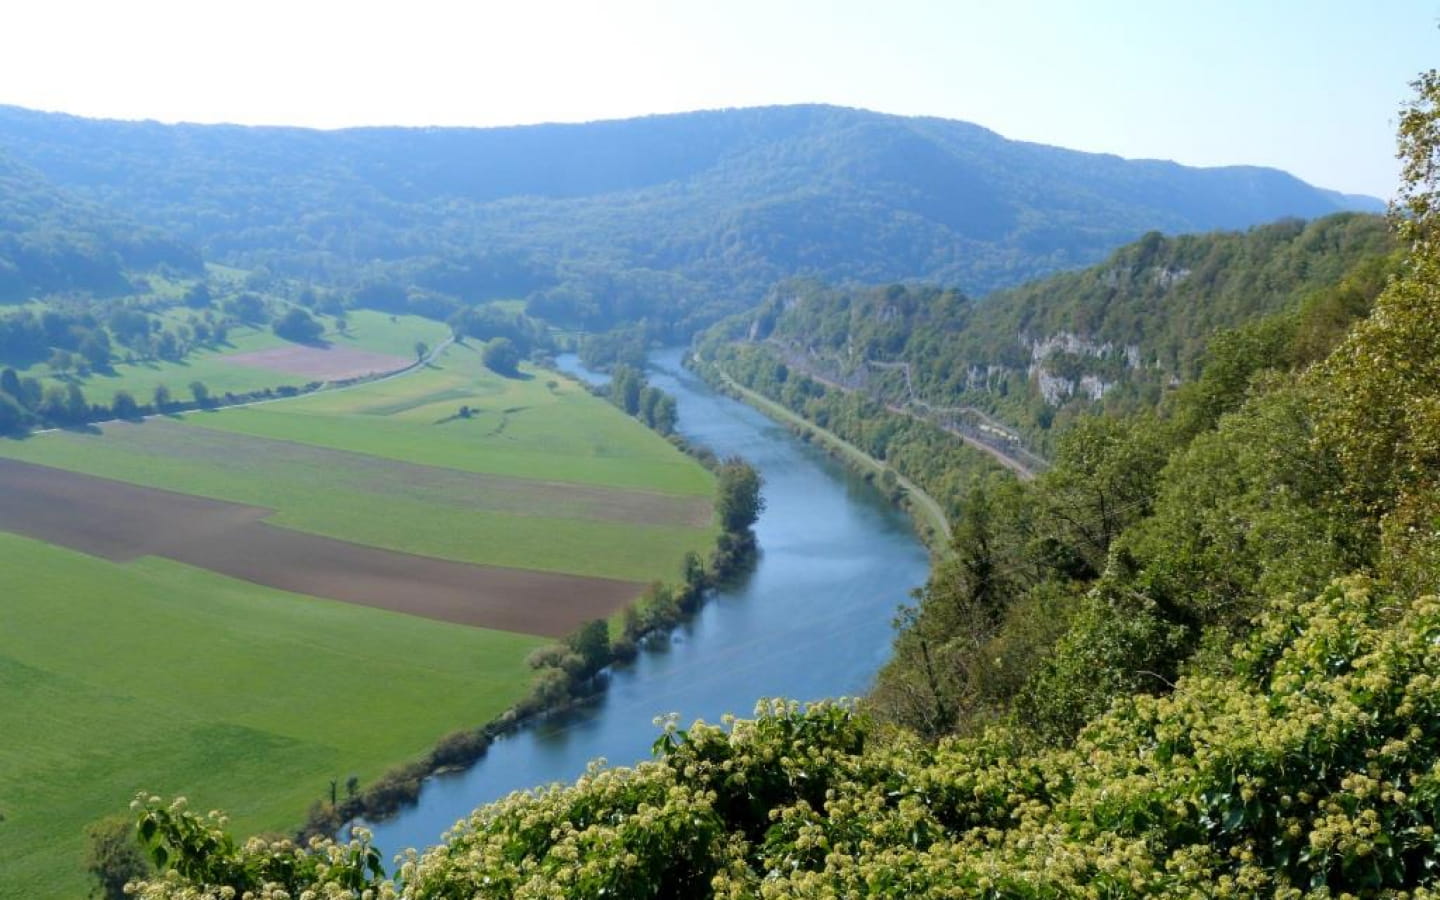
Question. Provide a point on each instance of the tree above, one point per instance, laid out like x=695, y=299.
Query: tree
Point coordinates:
x=299, y=326
x=626, y=387
x=591, y=642
x=421, y=348
x=200, y=392
x=12, y=417
x=665, y=415
x=96, y=349
x=124, y=406
x=77, y=410
x=113, y=856
x=10, y=383
x=501, y=356
x=162, y=397
x=738, y=501
x=198, y=296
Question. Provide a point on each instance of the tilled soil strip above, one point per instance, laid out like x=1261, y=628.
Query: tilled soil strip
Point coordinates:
x=121, y=522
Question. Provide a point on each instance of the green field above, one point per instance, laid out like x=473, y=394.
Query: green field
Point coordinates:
x=157, y=676
x=523, y=429
x=160, y=677
x=366, y=330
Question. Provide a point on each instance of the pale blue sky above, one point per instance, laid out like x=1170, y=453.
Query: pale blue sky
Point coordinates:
x=1311, y=87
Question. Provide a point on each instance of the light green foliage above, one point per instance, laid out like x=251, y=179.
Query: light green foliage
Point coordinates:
x=153, y=673
x=738, y=498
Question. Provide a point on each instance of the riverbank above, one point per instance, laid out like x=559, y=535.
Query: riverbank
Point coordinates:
x=812, y=619
x=931, y=523
x=569, y=672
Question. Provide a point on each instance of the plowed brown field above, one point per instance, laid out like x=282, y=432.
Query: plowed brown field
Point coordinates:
x=121, y=522
x=320, y=363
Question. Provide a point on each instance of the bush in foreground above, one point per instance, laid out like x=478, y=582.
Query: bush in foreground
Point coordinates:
x=1313, y=771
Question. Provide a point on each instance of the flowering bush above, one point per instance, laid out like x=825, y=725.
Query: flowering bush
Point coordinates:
x=1313, y=771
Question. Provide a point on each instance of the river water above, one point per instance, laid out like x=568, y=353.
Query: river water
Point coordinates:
x=812, y=620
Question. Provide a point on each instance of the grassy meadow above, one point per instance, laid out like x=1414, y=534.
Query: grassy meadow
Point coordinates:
x=521, y=428
x=154, y=675
x=119, y=678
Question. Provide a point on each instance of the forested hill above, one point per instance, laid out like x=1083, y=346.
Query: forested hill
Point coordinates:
x=1116, y=335
x=680, y=217
x=53, y=243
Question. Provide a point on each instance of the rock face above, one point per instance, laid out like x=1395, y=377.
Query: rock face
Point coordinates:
x=1058, y=363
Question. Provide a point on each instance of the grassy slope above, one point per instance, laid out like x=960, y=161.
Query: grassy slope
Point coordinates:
x=157, y=676
x=367, y=330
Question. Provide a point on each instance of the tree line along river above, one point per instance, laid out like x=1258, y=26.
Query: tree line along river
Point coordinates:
x=811, y=620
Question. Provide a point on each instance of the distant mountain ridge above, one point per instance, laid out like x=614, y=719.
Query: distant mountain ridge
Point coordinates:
x=684, y=217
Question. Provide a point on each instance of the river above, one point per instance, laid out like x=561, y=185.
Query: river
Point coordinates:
x=812, y=620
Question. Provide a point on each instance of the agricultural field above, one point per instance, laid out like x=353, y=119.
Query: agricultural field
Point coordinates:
x=241, y=605
x=255, y=358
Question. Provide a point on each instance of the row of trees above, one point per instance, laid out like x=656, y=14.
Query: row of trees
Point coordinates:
x=24, y=403
x=630, y=391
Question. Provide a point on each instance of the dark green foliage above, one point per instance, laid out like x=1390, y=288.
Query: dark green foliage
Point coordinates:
x=113, y=857
x=502, y=357
x=247, y=307
x=12, y=415
x=681, y=219
x=738, y=501
x=299, y=326
x=591, y=642
x=53, y=242
x=124, y=406
x=198, y=296
x=487, y=322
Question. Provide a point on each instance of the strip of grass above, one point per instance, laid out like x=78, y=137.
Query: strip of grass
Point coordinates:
x=157, y=676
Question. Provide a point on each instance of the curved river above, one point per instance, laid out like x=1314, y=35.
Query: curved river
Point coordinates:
x=812, y=620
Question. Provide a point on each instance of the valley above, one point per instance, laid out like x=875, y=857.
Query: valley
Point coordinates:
x=426, y=500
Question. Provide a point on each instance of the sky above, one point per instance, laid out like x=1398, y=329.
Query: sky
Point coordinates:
x=1311, y=87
